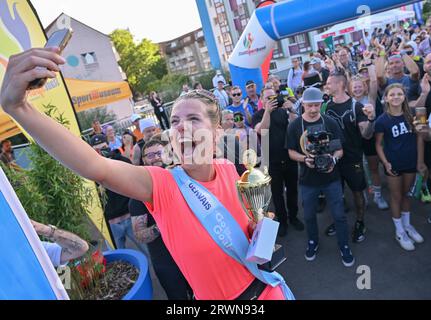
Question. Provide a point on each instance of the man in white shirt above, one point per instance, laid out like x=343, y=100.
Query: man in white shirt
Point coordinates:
x=218, y=77
x=221, y=95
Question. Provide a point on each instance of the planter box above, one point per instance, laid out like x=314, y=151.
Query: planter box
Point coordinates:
x=143, y=289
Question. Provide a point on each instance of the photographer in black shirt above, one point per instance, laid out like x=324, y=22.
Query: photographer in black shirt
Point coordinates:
x=315, y=142
x=284, y=172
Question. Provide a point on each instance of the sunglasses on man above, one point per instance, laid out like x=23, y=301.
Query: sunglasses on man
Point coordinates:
x=237, y=95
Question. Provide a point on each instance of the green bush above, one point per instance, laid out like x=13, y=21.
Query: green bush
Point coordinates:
x=51, y=193
x=169, y=87
x=207, y=80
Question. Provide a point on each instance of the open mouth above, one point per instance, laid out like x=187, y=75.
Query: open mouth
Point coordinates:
x=187, y=146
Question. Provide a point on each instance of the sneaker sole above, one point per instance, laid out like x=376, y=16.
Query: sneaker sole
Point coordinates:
x=407, y=249
x=414, y=240
x=348, y=265
x=313, y=257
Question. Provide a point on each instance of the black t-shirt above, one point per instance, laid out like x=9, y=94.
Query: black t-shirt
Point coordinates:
x=138, y=208
x=160, y=256
x=348, y=121
x=308, y=176
x=325, y=75
x=277, y=133
x=117, y=205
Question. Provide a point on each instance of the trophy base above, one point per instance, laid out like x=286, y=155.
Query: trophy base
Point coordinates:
x=278, y=258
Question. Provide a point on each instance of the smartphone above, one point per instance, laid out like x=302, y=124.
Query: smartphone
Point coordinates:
x=58, y=39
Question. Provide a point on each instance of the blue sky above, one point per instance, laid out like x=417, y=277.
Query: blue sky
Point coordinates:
x=157, y=20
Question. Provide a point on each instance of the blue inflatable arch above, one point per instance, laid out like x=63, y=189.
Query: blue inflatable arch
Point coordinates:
x=281, y=20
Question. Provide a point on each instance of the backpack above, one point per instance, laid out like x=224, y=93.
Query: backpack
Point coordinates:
x=324, y=108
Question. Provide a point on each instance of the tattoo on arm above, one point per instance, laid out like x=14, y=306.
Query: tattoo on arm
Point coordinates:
x=72, y=246
x=367, y=129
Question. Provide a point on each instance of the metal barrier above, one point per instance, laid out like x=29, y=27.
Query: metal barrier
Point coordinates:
x=121, y=125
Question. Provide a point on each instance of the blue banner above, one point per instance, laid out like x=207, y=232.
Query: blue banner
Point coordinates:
x=26, y=273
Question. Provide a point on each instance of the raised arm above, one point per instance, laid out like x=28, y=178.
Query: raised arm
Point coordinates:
x=71, y=151
x=412, y=67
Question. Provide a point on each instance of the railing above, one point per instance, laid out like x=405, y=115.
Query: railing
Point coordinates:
x=125, y=123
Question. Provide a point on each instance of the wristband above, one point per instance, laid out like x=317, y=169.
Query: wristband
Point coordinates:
x=53, y=229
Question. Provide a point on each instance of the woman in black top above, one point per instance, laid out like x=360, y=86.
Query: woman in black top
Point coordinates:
x=159, y=110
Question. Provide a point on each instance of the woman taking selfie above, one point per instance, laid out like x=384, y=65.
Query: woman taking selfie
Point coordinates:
x=213, y=270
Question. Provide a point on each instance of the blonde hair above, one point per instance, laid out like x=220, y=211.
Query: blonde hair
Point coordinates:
x=358, y=79
x=210, y=102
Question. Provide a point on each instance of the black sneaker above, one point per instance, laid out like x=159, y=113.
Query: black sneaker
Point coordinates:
x=322, y=204
x=297, y=224
x=330, y=231
x=347, y=256
x=282, y=230
x=359, y=232
x=311, y=252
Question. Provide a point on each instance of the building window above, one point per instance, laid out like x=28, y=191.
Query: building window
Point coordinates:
x=300, y=38
x=291, y=40
x=273, y=65
x=89, y=59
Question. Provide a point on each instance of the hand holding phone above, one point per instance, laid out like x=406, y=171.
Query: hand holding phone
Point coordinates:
x=58, y=39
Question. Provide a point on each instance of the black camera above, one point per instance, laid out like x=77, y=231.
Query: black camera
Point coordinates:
x=322, y=147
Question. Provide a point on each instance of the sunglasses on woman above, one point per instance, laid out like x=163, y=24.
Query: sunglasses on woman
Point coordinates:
x=238, y=118
x=237, y=95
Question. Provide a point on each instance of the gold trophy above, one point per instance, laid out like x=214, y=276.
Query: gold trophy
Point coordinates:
x=254, y=191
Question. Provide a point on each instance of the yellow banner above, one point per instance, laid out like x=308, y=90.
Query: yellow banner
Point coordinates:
x=92, y=94
x=20, y=30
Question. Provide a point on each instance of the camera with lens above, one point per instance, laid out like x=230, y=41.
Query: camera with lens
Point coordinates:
x=322, y=147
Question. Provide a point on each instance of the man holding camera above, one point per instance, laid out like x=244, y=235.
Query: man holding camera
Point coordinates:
x=314, y=141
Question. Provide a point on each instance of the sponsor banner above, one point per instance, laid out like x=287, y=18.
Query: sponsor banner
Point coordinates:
x=253, y=47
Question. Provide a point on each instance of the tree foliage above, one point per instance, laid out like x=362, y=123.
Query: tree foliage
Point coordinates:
x=142, y=62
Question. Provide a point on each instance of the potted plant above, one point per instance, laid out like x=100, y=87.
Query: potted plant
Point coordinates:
x=113, y=275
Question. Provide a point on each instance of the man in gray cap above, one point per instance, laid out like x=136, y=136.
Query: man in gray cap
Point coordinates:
x=314, y=141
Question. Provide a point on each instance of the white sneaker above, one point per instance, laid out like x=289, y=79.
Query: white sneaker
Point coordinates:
x=413, y=234
x=405, y=242
x=381, y=203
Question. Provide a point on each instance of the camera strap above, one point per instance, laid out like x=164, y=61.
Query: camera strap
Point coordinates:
x=223, y=228
x=321, y=117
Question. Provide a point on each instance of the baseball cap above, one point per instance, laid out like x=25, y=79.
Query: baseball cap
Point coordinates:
x=135, y=117
x=315, y=60
x=312, y=95
x=249, y=83
x=146, y=123
x=98, y=139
